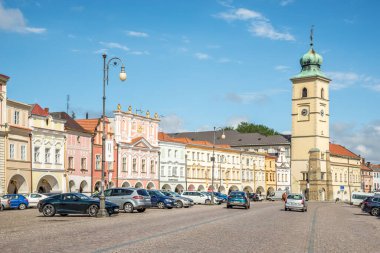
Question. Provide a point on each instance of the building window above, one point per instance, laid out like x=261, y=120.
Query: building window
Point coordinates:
x=23, y=152
x=152, y=165
x=71, y=163
x=11, y=151
x=124, y=167
x=47, y=155
x=336, y=177
x=37, y=154
x=58, y=156
x=286, y=177
x=169, y=153
x=304, y=93
x=322, y=93
x=340, y=177
x=98, y=162
x=345, y=177
x=162, y=171
x=110, y=166
x=175, y=153
x=247, y=161
x=134, y=165
x=83, y=164
x=174, y=172
x=143, y=167
x=181, y=172
x=16, y=119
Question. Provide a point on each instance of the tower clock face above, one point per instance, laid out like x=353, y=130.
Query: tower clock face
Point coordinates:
x=304, y=112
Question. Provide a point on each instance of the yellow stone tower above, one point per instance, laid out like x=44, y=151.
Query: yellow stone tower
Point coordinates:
x=310, y=122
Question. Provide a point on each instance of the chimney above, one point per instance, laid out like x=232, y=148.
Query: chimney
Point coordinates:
x=47, y=109
x=368, y=164
x=86, y=115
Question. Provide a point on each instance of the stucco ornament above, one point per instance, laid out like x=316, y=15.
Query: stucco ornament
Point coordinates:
x=148, y=114
x=129, y=109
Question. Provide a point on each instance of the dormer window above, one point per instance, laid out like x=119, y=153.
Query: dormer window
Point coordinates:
x=304, y=93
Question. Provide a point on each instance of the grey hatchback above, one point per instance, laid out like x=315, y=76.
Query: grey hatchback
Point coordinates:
x=129, y=199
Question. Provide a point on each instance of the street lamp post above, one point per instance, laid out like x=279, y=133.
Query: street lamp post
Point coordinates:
x=213, y=160
x=123, y=76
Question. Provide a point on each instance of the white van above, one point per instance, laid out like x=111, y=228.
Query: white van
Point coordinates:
x=358, y=197
x=277, y=195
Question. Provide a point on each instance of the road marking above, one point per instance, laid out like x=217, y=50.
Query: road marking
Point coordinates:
x=310, y=248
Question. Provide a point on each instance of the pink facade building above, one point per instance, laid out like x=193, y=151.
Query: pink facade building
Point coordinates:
x=136, y=137
x=78, y=150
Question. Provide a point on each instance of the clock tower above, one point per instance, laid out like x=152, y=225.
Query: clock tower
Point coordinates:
x=310, y=124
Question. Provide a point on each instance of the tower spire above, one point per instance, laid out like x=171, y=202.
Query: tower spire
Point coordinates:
x=311, y=36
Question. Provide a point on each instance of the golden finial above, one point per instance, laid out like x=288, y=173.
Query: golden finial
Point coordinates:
x=118, y=107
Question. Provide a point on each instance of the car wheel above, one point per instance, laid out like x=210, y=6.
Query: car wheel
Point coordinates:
x=228, y=206
x=375, y=211
x=141, y=210
x=48, y=210
x=93, y=210
x=179, y=204
x=161, y=205
x=22, y=206
x=128, y=208
x=286, y=209
x=63, y=214
x=208, y=202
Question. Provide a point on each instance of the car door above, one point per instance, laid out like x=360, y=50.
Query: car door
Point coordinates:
x=117, y=197
x=153, y=198
x=34, y=198
x=70, y=204
x=14, y=201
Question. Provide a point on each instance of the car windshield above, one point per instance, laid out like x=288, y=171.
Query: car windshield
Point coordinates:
x=159, y=193
x=166, y=193
x=175, y=194
x=236, y=194
x=295, y=197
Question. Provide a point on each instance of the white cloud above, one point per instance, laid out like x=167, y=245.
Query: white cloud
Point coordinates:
x=224, y=60
x=13, y=20
x=341, y=80
x=171, y=124
x=286, y=2
x=363, y=139
x=101, y=51
x=114, y=45
x=139, y=52
x=282, y=68
x=266, y=30
x=260, y=26
x=240, y=14
x=202, y=56
x=253, y=97
x=137, y=34
x=234, y=121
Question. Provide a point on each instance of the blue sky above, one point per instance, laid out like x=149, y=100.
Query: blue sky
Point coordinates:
x=199, y=63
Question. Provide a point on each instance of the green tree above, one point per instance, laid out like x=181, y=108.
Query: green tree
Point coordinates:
x=246, y=127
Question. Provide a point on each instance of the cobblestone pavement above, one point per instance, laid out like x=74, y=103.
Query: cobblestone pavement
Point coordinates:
x=266, y=227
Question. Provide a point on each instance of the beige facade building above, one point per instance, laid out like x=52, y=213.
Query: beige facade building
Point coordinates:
x=3, y=130
x=18, y=166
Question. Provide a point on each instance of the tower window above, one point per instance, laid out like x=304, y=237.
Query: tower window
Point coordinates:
x=322, y=93
x=304, y=92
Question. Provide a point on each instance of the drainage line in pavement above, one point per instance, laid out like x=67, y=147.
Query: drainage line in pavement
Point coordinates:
x=310, y=248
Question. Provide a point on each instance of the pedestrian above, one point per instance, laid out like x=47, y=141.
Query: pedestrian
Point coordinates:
x=284, y=196
x=336, y=200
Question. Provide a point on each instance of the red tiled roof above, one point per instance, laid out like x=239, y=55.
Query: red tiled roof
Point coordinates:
x=4, y=76
x=136, y=140
x=204, y=143
x=70, y=123
x=365, y=167
x=88, y=124
x=37, y=110
x=336, y=149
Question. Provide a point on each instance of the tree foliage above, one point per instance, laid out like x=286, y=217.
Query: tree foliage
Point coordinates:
x=246, y=127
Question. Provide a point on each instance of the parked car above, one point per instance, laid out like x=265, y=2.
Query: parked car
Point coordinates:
x=238, y=198
x=296, y=202
x=129, y=199
x=197, y=197
x=371, y=205
x=255, y=197
x=15, y=201
x=217, y=200
x=3, y=204
x=161, y=201
x=34, y=198
x=73, y=203
x=357, y=198
x=180, y=201
x=221, y=196
x=276, y=195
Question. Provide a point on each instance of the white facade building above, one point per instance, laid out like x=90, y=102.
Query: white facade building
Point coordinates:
x=283, y=171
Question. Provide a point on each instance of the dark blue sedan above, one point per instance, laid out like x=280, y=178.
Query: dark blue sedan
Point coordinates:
x=15, y=201
x=73, y=203
x=160, y=200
